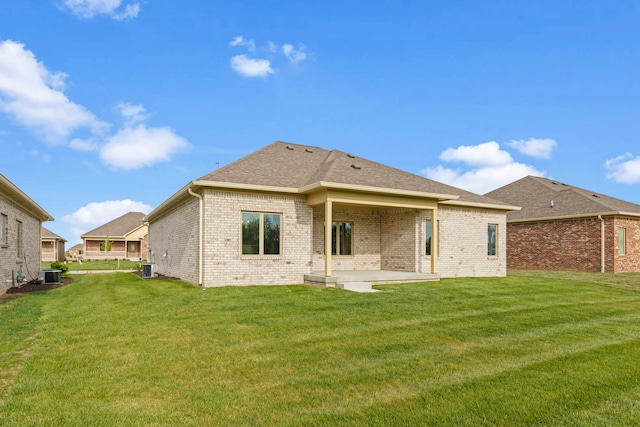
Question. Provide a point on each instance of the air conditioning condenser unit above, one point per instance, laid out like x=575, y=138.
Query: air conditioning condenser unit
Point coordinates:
x=149, y=270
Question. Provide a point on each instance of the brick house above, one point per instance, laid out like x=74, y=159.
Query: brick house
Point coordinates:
x=20, y=231
x=52, y=246
x=562, y=227
x=268, y=217
x=125, y=237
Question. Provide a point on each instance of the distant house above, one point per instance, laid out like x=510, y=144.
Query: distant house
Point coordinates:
x=76, y=251
x=52, y=248
x=123, y=238
x=20, y=230
x=292, y=213
x=562, y=227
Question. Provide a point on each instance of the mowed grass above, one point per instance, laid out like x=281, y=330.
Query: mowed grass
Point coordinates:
x=115, y=349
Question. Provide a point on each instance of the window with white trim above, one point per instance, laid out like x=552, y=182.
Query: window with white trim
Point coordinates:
x=261, y=233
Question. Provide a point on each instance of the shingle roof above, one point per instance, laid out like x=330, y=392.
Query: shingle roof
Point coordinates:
x=119, y=227
x=535, y=195
x=48, y=234
x=288, y=165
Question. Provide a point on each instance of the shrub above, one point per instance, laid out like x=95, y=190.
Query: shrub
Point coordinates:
x=60, y=266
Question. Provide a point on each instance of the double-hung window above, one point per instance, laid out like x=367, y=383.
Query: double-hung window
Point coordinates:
x=261, y=233
x=492, y=240
x=622, y=241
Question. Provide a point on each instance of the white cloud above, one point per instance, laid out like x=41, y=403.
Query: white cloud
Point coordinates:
x=114, y=8
x=135, y=148
x=262, y=67
x=132, y=114
x=83, y=144
x=534, y=147
x=484, y=179
x=294, y=55
x=624, y=169
x=32, y=95
x=96, y=214
x=486, y=154
x=250, y=67
x=488, y=167
x=240, y=41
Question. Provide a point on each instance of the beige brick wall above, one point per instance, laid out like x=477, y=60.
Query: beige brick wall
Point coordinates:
x=173, y=242
x=224, y=262
x=463, y=243
x=29, y=261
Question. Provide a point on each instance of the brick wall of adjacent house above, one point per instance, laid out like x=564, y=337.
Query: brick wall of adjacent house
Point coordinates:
x=118, y=250
x=29, y=261
x=173, y=242
x=224, y=263
x=630, y=260
x=463, y=243
x=557, y=245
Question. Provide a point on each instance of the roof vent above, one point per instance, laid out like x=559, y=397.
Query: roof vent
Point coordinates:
x=308, y=150
x=357, y=167
x=596, y=196
x=552, y=203
x=351, y=156
x=289, y=147
x=553, y=182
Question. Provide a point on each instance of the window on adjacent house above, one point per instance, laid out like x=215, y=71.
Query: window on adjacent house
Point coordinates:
x=492, y=239
x=260, y=233
x=4, y=230
x=19, y=243
x=341, y=238
x=622, y=244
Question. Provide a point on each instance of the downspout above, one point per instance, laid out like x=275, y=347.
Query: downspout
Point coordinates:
x=200, y=237
x=602, y=258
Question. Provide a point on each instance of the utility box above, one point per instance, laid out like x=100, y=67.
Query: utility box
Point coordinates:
x=50, y=277
x=149, y=270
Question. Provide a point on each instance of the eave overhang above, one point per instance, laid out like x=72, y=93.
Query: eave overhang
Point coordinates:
x=17, y=196
x=570, y=217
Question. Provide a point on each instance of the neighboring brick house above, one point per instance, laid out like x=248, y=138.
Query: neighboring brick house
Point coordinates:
x=52, y=248
x=562, y=227
x=125, y=237
x=20, y=226
x=267, y=218
x=76, y=251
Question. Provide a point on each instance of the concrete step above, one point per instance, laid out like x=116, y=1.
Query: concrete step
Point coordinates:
x=356, y=286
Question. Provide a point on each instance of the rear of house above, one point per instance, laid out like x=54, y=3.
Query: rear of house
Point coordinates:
x=20, y=239
x=269, y=217
x=125, y=237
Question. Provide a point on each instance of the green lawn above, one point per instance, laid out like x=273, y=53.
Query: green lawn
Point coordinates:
x=525, y=350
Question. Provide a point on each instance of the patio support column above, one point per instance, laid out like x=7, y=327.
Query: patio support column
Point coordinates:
x=434, y=241
x=328, y=221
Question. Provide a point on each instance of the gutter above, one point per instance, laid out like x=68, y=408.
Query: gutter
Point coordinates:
x=200, y=237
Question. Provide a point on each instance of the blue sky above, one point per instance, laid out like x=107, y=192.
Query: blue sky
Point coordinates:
x=111, y=106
